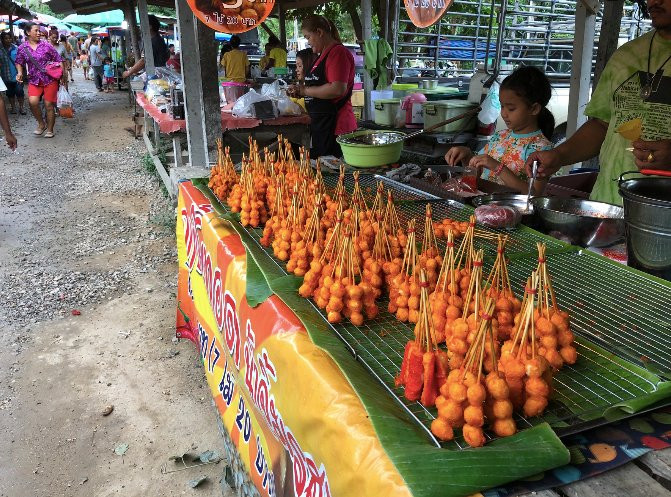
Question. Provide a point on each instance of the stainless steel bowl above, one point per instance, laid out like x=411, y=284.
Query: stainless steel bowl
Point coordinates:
x=429, y=84
x=580, y=222
x=515, y=200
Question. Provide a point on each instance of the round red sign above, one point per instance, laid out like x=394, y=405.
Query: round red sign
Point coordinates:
x=424, y=13
x=232, y=16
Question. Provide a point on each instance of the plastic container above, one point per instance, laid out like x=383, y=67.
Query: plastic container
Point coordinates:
x=404, y=86
x=442, y=93
x=232, y=90
x=435, y=112
x=476, y=85
x=378, y=95
x=385, y=111
x=414, y=112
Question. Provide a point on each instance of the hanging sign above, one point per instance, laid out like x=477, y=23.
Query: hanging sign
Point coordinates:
x=424, y=13
x=232, y=16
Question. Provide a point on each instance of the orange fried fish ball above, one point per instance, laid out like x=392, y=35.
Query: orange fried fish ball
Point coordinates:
x=559, y=321
x=545, y=326
x=474, y=416
x=549, y=341
x=452, y=312
x=334, y=317
x=534, y=406
x=473, y=436
x=554, y=358
x=457, y=392
x=569, y=354
x=537, y=387
x=534, y=368
x=441, y=428
x=440, y=400
x=413, y=315
x=498, y=387
x=402, y=314
x=452, y=412
x=515, y=368
x=565, y=337
x=504, y=427
x=476, y=394
x=502, y=409
x=457, y=346
x=356, y=318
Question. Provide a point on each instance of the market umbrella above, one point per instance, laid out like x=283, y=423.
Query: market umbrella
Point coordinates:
x=109, y=18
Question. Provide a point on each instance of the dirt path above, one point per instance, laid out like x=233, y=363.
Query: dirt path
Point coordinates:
x=84, y=227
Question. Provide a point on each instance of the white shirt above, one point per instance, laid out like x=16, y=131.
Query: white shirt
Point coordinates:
x=2, y=85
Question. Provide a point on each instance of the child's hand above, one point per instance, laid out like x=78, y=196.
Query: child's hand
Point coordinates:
x=484, y=161
x=457, y=155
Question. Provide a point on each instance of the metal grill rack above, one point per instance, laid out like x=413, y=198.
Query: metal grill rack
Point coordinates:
x=368, y=184
x=619, y=310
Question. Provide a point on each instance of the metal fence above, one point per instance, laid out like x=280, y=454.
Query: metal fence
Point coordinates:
x=536, y=32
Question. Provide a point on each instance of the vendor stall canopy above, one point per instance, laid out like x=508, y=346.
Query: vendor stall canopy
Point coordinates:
x=109, y=8
x=7, y=7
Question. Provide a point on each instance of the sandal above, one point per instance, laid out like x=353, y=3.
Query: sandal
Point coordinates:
x=49, y=134
x=39, y=131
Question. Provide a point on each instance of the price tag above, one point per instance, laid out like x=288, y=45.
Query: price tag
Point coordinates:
x=232, y=16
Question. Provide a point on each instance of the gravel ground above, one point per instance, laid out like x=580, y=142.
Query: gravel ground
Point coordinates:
x=87, y=285
x=55, y=266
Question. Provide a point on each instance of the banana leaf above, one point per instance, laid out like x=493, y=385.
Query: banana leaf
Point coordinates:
x=426, y=469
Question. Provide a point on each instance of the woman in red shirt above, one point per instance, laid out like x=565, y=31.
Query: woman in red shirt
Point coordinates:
x=328, y=87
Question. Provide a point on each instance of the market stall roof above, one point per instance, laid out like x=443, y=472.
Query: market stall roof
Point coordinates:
x=7, y=7
x=96, y=6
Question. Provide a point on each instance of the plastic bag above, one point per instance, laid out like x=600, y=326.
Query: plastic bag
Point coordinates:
x=64, y=103
x=274, y=89
x=498, y=216
x=491, y=106
x=288, y=107
x=244, y=106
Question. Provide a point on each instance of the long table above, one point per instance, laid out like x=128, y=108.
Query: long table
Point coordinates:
x=301, y=414
x=235, y=129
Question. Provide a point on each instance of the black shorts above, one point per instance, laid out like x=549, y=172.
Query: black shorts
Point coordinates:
x=14, y=89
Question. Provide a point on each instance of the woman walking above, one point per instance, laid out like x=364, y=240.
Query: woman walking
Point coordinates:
x=8, y=71
x=69, y=57
x=43, y=63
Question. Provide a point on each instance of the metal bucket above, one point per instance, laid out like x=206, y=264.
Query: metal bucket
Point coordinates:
x=647, y=215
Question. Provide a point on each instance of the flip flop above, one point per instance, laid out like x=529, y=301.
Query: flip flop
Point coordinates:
x=49, y=134
x=38, y=132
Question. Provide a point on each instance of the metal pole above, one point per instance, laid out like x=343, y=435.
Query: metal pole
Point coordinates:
x=199, y=84
x=149, y=66
x=609, y=36
x=581, y=70
x=366, y=24
x=394, y=60
x=283, y=28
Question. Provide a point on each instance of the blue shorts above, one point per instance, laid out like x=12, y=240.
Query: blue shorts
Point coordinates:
x=14, y=89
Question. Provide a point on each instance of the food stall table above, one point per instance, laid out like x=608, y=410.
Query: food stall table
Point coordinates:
x=311, y=409
x=296, y=129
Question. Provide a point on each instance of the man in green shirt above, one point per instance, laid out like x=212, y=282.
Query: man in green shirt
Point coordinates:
x=636, y=83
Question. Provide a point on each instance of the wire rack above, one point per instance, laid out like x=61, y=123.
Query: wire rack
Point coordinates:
x=619, y=310
x=368, y=184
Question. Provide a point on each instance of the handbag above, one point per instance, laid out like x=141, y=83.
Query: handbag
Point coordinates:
x=53, y=69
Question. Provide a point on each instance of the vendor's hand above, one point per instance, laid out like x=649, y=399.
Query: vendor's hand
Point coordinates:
x=125, y=74
x=653, y=154
x=294, y=90
x=548, y=163
x=484, y=161
x=457, y=155
x=19, y=78
x=11, y=141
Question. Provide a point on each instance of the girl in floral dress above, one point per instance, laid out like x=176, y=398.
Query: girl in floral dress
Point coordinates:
x=524, y=96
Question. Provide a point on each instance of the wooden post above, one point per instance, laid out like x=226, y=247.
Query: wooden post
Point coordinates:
x=129, y=13
x=581, y=71
x=149, y=66
x=367, y=24
x=199, y=84
x=610, y=34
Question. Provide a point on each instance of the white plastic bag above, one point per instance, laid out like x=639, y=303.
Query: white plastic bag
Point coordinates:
x=244, y=106
x=288, y=107
x=63, y=99
x=274, y=89
x=491, y=106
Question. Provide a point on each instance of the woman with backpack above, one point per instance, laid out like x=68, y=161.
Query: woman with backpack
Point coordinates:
x=45, y=69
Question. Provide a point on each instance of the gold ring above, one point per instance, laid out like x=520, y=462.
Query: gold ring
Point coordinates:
x=651, y=157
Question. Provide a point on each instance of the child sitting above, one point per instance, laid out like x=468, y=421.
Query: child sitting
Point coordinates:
x=524, y=96
x=305, y=59
x=108, y=73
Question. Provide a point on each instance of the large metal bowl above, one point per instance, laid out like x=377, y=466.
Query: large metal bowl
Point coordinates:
x=580, y=222
x=515, y=200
